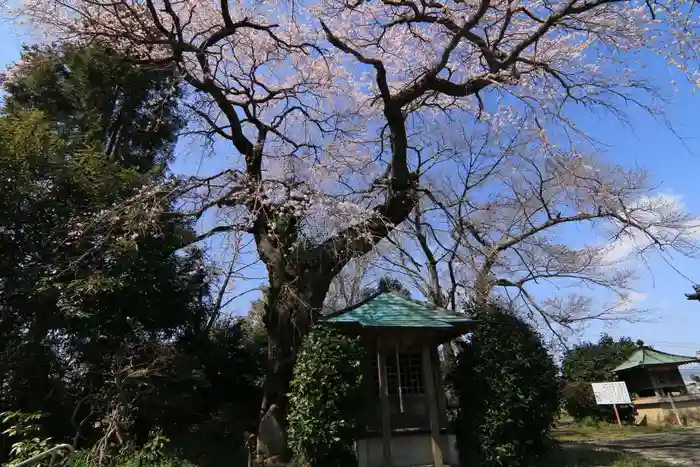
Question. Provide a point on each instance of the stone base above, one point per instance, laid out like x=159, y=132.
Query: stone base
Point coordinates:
x=407, y=450
x=658, y=410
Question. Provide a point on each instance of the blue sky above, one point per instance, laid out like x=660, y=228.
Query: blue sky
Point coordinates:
x=675, y=167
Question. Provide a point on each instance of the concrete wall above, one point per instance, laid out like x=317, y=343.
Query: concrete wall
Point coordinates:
x=407, y=450
x=658, y=411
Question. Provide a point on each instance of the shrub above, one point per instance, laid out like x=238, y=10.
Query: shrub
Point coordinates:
x=508, y=392
x=143, y=459
x=129, y=458
x=579, y=402
x=156, y=452
x=591, y=362
x=325, y=399
x=81, y=458
x=24, y=432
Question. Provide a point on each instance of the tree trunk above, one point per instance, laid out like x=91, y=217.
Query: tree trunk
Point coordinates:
x=300, y=274
x=293, y=305
x=483, y=283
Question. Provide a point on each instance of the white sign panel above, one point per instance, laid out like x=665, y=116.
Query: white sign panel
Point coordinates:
x=611, y=393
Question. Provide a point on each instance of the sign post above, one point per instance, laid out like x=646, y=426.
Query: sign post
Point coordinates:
x=617, y=414
x=611, y=393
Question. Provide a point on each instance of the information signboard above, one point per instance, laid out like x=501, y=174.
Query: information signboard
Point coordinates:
x=611, y=393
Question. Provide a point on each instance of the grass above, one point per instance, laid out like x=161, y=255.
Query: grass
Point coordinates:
x=579, y=432
x=589, y=456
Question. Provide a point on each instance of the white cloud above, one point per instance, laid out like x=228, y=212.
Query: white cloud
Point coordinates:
x=631, y=301
x=664, y=217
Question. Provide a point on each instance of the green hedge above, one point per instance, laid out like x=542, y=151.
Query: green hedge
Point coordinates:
x=326, y=399
x=508, y=392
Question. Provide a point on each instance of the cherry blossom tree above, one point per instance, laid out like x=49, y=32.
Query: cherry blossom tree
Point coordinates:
x=499, y=227
x=338, y=113
x=349, y=285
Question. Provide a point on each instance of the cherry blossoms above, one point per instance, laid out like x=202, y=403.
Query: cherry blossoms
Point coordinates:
x=334, y=95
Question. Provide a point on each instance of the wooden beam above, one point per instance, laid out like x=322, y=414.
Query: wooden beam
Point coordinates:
x=675, y=410
x=437, y=374
x=431, y=399
x=661, y=394
x=385, y=407
x=654, y=384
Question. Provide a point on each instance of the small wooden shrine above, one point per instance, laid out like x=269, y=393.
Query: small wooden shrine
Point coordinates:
x=409, y=424
x=656, y=387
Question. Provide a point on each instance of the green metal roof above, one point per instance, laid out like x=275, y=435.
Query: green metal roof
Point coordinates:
x=644, y=356
x=388, y=310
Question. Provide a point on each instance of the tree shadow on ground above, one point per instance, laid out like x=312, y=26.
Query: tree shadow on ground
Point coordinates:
x=680, y=447
x=581, y=456
x=584, y=455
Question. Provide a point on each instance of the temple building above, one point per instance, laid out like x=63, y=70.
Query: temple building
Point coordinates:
x=408, y=423
x=657, y=389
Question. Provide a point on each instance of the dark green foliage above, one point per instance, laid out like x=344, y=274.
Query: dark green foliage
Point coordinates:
x=79, y=308
x=209, y=424
x=156, y=452
x=44, y=185
x=93, y=94
x=76, y=138
x=579, y=402
x=99, y=327
x=508, y=392
x=23, y=432
x=326, y=399
x=253, y=324
x=91, y=320
x=592, y=362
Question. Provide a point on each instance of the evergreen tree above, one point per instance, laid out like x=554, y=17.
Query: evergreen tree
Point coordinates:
x=508, y=392
x=593, y=362
x=129, y=112
x=72, y=305
x=102, y=333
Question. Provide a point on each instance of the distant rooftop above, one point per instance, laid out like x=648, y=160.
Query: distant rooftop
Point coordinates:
x=644, y=356
x=388, y=310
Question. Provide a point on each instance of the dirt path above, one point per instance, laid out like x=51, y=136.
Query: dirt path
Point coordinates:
x=680, y=448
